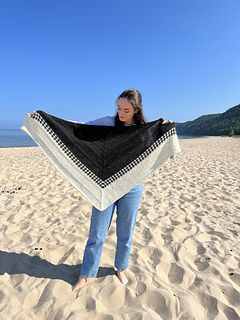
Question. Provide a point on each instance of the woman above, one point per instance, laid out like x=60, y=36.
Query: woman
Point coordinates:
x=129, y=112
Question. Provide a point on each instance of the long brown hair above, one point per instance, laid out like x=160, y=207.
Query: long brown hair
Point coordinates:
x=135, y=98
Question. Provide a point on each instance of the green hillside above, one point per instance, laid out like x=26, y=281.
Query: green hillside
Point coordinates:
x=226, y=123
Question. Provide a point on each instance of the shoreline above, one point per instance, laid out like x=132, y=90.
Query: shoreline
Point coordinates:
x=179, y=137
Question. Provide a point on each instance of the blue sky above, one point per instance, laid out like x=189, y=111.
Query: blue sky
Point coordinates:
x=72, y=58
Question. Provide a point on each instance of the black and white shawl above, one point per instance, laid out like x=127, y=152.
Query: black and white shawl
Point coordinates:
x=102, y=162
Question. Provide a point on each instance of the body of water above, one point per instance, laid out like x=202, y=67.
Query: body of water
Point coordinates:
x=15, y=138
x=18, y=138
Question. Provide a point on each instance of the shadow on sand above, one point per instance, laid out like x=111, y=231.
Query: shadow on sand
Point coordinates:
x=22, y=263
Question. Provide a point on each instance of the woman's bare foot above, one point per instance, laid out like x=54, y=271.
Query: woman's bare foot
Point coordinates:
x=79, y=284
x=122, y=278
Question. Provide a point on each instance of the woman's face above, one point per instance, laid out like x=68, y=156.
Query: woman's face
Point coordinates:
x=125, y=110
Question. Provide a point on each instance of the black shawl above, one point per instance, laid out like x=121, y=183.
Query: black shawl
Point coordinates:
x=102, y=162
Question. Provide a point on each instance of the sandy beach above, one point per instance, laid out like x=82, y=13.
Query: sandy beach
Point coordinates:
x=185, y=256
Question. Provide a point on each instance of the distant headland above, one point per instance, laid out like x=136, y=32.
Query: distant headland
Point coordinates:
x=226, y=123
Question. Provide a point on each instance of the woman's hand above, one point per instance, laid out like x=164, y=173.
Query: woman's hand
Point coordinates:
x=28, y=114
x=167, y=121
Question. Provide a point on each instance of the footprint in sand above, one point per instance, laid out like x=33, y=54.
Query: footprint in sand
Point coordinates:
x=169, y=229
x=149, y=193
x=201, y=249
x=230, y=313
x=211, y=306
x=201, y=263
x=147, y=235
x=197, y=219
x=175, y=222
x=232, y=295
x=90, y=304
x=234, y=232
x=141, y=287
x=26, y=238
x=157, y=302
x=196, y=283
x=144, y=211
x=167, y=239
x=176, y=273
x=25, y=225
x=218, y=234
x=156, y=256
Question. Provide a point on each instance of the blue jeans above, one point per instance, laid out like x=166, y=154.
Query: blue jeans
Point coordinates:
x=127, y=209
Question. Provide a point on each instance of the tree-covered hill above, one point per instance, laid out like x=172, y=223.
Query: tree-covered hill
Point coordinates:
x=226, y=123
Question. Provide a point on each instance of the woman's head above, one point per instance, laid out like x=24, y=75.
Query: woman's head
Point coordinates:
x=129, y=108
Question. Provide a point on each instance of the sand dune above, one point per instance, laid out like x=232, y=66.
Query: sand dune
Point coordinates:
x=185, y=256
